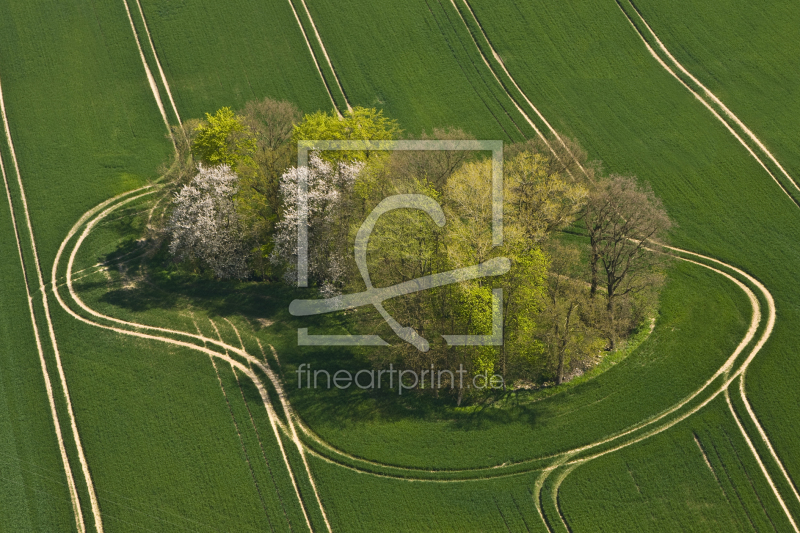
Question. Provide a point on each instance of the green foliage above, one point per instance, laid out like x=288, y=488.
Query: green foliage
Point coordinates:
x=700, y=323
x=627, y=110
x=587, y=71
x=360, y=123
x=222, y=139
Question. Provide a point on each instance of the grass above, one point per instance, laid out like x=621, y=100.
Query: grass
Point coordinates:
x=752, y=76
x=159, y=436
x=218, y=55
x=724, y=204
x=365, y=503
x=34, y=494
x=153, y=419
x=384, y=428
x=82, y=116
x=414, y=431
x=86, y=127
x=417, y=63
x=665, y=484
x=608, y=360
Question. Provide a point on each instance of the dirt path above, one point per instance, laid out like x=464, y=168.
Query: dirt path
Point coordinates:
x=73, y=426
x=762, y=147
x=711, y=109
x=255, y=428
x=316, y=62
x=759, y=461
x=514, y=83
x=325, y=53
x=158, y=63
x=714, y=98
x=150, y=79
x=724, y=370
x=726, y=366
x=287, y=409
x=293, y=420
x=123, y=200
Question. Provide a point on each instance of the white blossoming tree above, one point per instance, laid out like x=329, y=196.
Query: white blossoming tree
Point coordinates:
x=329, y=200
x=204, y=225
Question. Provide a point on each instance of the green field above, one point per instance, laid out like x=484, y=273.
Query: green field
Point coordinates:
x=174, y=442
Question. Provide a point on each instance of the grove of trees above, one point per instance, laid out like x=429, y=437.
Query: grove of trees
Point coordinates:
x=582, y=275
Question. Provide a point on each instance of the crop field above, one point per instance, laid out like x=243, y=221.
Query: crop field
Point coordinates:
x=139, y=402
x=272, y=56
x=751, y=76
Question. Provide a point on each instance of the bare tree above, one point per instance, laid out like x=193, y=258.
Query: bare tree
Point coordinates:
x=271, y=123
x=620, y=217
x=435, y=166
x=564, y=156
x=568, y=332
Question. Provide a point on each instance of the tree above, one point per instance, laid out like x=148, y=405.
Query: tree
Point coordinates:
x=620, y=217
x=564, y=157
x=360, y=123
x=204, y=225
x=469, y=241
x=434, y=166
x=223, y=139
x=329, y=193
x=270, y=124
x=567, y=331
x=541, y=200
x=181, y=171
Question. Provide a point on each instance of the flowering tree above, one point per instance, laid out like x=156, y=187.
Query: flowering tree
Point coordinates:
x=329, y=199
x=204, y=225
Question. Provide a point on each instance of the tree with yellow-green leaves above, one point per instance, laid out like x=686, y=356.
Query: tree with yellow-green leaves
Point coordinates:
x=359, y=123
x=223, y=139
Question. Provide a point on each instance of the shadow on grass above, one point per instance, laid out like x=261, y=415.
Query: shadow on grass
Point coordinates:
x=160, y=284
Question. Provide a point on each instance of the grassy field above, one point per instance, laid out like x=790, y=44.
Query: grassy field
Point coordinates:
x=753, y=76
x=78, y=99
x=175, y=444
x=725, y=205
x=386, y=428
x=417, y=63
x=218, y=55
x=360, y=502
x=34, y=489
x=667, y=484
x=86, y=127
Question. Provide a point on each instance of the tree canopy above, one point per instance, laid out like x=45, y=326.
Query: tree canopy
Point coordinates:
x=223, y=139
x=564, y=299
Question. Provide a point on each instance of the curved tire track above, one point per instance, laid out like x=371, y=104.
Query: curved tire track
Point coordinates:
x=242, y=353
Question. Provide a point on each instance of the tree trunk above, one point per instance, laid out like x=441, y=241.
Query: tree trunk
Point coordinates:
x=612, y=337
x=560, y=374
x=593, y=260
x=562, y=348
